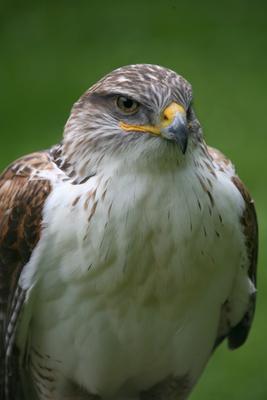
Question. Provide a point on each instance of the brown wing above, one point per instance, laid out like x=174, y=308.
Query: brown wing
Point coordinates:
x=22, y=196
x=238, y=334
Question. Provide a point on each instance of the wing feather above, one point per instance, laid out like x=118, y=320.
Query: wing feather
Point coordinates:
x=22, y=196
x=237, y=335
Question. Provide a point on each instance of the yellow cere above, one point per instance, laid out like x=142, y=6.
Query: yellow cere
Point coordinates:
x=170, y=112
x=167, y=117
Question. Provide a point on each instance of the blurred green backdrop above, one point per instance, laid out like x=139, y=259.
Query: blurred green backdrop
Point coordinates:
x=52, y=51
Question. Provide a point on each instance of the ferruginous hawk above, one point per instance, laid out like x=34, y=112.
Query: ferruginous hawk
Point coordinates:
x=127, y=252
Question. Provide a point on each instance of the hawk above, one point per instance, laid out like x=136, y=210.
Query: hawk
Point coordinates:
x=127, y=252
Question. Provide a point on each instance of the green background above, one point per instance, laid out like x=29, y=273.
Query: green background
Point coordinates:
x=52, y=51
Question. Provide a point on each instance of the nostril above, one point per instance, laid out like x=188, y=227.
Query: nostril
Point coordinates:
x=165, y=117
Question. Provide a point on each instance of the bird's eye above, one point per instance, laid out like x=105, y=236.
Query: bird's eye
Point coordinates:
x=128, y=106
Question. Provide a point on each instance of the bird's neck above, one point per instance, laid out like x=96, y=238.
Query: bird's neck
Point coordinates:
x=80, y=165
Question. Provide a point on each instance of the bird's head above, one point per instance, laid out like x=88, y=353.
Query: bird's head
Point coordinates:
x=142, y=109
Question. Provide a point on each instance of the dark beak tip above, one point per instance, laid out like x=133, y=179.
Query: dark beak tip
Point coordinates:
x=181, y=138
x=183, y=146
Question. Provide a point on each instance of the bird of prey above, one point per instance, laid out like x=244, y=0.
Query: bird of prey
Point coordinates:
x=127, y=252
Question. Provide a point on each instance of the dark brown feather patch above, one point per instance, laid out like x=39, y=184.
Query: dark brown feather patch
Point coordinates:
x=239, y=333
x=21, y=205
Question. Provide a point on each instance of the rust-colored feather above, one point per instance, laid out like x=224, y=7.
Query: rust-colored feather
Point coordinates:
x=21, y=203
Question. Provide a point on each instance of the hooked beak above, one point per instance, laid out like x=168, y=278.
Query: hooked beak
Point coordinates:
x=172, y=126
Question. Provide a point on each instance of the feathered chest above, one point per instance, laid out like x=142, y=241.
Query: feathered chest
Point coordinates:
x=124, y=257
x=133, y=228
x=129, y=232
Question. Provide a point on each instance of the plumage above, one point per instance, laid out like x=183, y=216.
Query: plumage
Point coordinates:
x=127, y=252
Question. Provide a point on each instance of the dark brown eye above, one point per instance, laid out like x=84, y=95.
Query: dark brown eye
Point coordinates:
x=128, y=106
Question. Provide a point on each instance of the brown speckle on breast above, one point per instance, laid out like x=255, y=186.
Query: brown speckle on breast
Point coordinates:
x=76, y=201
x=92, y=211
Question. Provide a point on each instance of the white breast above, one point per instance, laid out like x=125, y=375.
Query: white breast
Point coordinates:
x=131, y=277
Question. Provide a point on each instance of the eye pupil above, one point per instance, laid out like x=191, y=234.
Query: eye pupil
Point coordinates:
x=127, y=105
